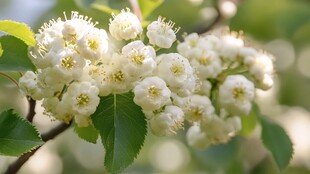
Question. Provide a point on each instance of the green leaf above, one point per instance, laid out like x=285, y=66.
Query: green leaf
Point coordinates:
x=17, y=136
x=89, y=133
x=277, y=142
x=122, y=127
x=249, y=122
x=148, y=6
x=20, y=30
x=15, y=55
x=105, y=9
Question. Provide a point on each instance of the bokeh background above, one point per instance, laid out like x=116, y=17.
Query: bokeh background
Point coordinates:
x=282, y=27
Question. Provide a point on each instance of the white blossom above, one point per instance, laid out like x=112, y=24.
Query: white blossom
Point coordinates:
x=262, y=70
x=29, y=84
x=198, y=108
x=116, y=78
x=93, y=45
x=229, y=47
x=248, y=54
x=151, y=93
x=68, y=65
x=207, y=65
x=161, y=33
x=190, y=46
x=125, y=25
x=203, y=87
x=217, y=130
x=140, y=60
x=176, y=71
x=236, y=95
x=197, y=138
x=168, y=121
x=82, y=97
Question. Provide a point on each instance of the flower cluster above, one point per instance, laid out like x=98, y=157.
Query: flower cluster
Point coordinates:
x=210, y=82
x=228, y=73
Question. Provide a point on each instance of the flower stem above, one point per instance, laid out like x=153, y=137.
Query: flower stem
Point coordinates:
x=9, y=77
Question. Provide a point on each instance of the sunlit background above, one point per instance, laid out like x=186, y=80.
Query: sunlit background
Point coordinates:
x=282, y=27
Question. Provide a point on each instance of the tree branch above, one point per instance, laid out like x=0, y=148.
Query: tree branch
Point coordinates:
x=31, y=111
x=218, y=19
x=14, y=167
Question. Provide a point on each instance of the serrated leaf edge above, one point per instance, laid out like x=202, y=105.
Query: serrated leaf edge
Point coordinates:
x=26, y=41
x=27, y=122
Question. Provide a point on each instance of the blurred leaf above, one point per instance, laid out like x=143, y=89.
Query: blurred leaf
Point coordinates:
x=249, y=122
x=280, y=18
x=84, y=3
x=148, y=6
x=105, y=9
x=218, y=156
x=89, y=134
x=277, y=142
x=122, y=127
x=17, y=136
x=15, y=55
x=19, y=30
x=117, y=4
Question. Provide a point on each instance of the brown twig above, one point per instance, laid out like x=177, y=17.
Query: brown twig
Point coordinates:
x=218, y=19
x=14, y=167
x=31, y=111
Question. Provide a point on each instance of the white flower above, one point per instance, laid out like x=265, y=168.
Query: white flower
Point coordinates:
x=197, y=138
x=176, y=71
x=117, y=79
x=198, y=108
x=140, y=59
x=248, y=54
x=262, y=70
x=266, y=83
x=203, y=88
x=151, y=93
x=167, y=122
x=194, y=45
x=160, y=33
x=75, y=28
x=63, y=112
x=93, y=45
x=29, y=84
x=68, y=65
x=217, y=130
x=125, y=25
x=229, y=47
x=236, y=95
x=82, y=97
x=207, y=65
x=50, y=81
x=190, y=45
x=49, y=41
x=57, y=109
x=233, y=124
x=97, y=73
